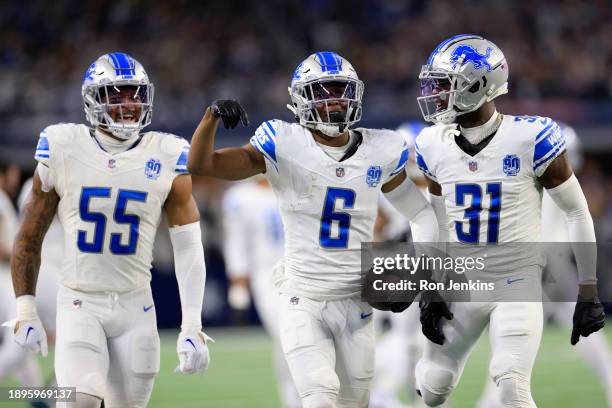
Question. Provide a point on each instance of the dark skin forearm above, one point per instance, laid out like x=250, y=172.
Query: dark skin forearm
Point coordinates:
x=38, y=215
x=233, y=163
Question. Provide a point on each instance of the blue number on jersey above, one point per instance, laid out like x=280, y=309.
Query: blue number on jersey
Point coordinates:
x=472, y=213
x=330, y=215
x=99, y=219
x=122, y=218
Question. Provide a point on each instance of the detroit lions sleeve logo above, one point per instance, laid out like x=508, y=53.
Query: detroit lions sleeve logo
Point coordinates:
x=264, y=140
x=470, y=54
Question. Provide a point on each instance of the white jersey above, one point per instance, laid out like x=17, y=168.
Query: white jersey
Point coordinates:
x=253, y=239
x=328, y=207
x=494, y=196
x=110, y=205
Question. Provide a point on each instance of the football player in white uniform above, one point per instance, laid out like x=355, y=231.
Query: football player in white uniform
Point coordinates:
x=327, y=179
x=559, y=262
x=108, y=185
x=485, y=173
x=253, y=244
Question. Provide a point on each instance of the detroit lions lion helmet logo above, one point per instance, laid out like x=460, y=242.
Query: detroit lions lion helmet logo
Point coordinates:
x=470, y=54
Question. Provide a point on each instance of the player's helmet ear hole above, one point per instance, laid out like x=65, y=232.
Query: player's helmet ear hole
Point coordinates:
x=474, y=88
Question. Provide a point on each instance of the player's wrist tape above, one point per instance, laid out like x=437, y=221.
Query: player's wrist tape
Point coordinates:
x=26, y=308
x=192, y=319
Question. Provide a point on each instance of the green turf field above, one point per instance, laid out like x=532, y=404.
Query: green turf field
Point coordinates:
x=241, y=375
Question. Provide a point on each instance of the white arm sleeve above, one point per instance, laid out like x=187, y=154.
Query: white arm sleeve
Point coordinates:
x=408, y=200
x=190, y=272
x=437, y=203
x=571, y=200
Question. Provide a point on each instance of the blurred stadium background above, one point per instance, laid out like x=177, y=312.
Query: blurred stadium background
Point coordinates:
x=560, y=59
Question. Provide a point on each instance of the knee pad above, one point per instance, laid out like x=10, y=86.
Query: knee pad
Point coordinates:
x=515, y=391
x=316, y=380
x=434, y=383
x=144, y=354
x=319, y=400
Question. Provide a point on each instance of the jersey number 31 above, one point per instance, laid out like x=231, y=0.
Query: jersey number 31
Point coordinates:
x=472, y=213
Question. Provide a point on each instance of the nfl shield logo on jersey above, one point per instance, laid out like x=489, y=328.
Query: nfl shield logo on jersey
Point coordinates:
x=373, y=176
x=512, y=165
x=473, y=166
x=339, y=171
x=153, y=169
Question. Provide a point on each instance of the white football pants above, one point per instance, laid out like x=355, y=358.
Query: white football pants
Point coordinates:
x=329, y=347
x=107, y=345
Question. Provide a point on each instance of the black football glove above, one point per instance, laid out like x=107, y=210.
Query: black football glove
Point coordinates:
x=589, y=317
x=230, y=113
x=433, y=309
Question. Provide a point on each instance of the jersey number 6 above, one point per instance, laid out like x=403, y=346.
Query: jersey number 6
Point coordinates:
x=99, y=219
x=330, y=215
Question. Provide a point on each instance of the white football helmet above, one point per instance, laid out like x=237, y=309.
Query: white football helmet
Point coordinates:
x=104, y=85
x=323, y=79
x=461, y=74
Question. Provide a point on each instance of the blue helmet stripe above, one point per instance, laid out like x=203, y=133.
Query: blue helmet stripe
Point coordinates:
x=122, y=63
x=330, y=61
x=445, y=42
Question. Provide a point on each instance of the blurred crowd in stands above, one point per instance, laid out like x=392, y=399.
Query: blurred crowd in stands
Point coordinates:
x=199, y=51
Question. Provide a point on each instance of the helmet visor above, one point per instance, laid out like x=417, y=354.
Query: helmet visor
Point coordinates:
x=330, y=101
x=120, y=107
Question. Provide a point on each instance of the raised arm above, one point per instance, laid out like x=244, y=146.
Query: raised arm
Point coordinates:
x=39, y=211
x=234, y=163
